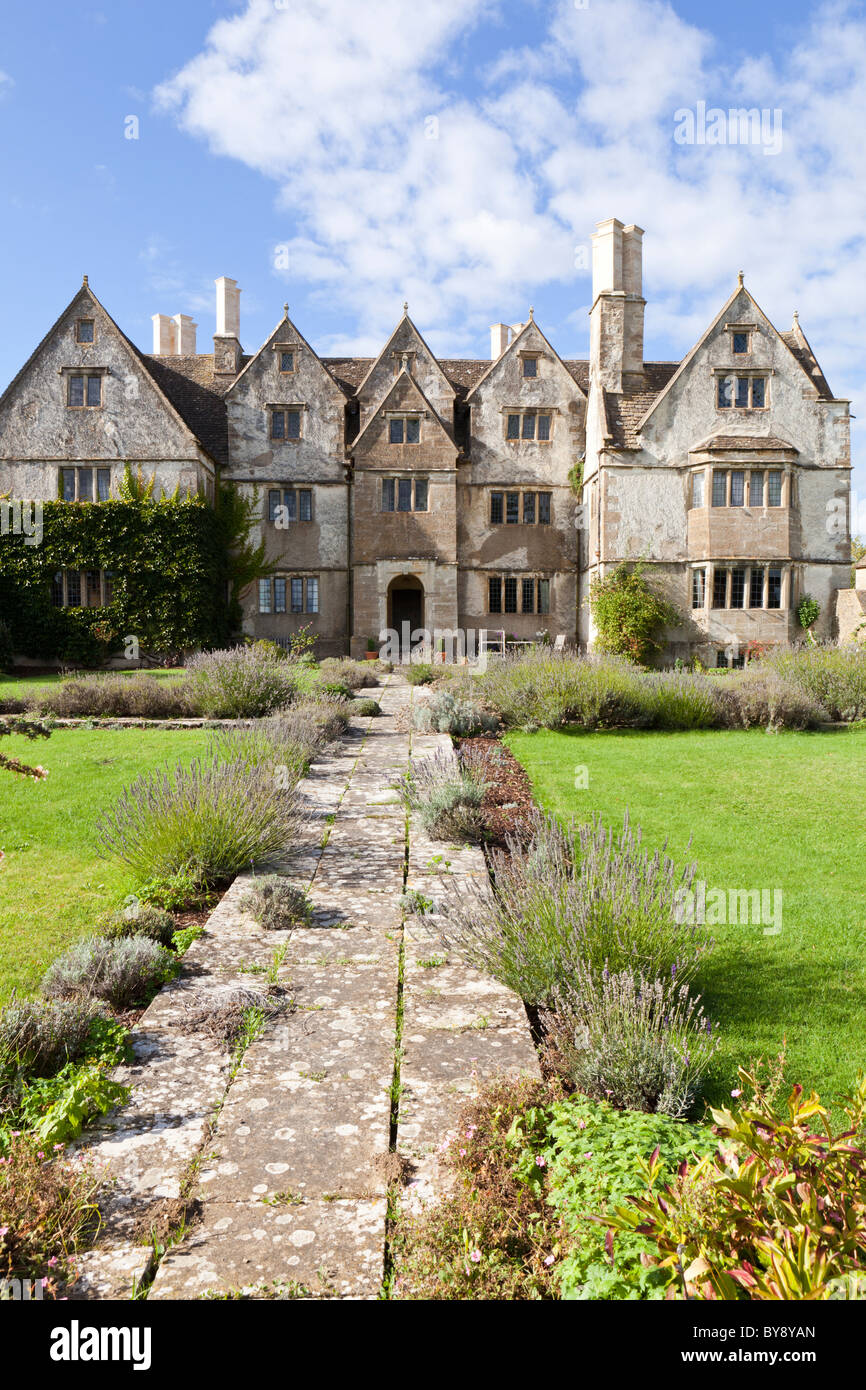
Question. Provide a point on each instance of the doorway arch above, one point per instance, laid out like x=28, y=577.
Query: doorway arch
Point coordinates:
x=405, y=605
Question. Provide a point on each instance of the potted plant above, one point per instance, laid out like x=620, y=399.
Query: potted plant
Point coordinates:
x=372, y=652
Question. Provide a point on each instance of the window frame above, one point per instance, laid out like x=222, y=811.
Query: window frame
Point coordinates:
x=526, y=434
x=391, y=488
x=85, y=342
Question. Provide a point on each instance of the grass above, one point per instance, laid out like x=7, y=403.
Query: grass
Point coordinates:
x=52, y=883
x=763, y=811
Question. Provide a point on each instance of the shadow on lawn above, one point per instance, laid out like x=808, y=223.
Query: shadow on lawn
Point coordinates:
x=774, y=1001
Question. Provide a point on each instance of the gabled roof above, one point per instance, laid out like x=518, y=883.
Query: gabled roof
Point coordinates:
x=530, y=324
x=626, y=410
x=374, y=364
x=402, y=377
x=802, y=356
x=285, y=325
x=182, y=396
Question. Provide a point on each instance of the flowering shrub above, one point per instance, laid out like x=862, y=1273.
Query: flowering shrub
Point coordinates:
x=48, y=1211
x=210, y=820
x=834, y=677
x=239, y=683
x=778, y=1213
x=566, y=896
x=135, y=697
x=643, y=1044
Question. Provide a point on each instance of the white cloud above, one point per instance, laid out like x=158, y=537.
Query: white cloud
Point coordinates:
x=331, y=100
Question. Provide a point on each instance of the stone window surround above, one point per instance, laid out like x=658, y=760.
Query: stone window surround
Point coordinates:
x=310, y=592
x=533, y=355
x=87, y=371
x=85, y=342
x=519, y=577
x=279, y=349
x=750, y=329
x=106, y=581
x=709, y=568
x=395, y=479
x=520, y=410
x=274, y=408
x=78, y=468
x=280, y=494
x=520, y=492
x=737, y=371
x=747, y=469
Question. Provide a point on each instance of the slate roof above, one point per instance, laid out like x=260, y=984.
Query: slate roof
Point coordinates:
x=719, y=442
x=625, y=410
x=808, y=361
x=190, y=386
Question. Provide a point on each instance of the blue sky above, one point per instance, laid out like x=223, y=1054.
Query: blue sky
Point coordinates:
x=343, y=156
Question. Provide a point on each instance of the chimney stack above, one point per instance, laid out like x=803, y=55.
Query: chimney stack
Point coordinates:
x=185, y=337
x=226, y=344
x=499, y=336
x=617, y=316
x=164, y=335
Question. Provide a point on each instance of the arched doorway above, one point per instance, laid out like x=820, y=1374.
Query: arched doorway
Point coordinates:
x=405, y=605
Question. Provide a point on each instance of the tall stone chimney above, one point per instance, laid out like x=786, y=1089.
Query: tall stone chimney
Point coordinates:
x=499, y=336
x=185, y=337
x=226, y=344
x=617, y=315
x=164, y=335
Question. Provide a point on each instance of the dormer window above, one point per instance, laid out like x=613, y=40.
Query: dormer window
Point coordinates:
x=530, y=366
x=404, y=429
x=287, y=360
x=85, y=330
x=285, y=422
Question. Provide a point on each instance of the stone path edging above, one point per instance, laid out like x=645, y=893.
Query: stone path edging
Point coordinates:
x=293, y=1156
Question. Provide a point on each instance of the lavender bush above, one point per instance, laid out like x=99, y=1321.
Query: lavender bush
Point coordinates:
x=447, y=795
x=39, y=1036
x=639, y=1043
x=132, y=697
x=759, y=697
x=122, y=971
x=575, y=897
x=211, y=819
x=239, y=683
x=834, y=677
x=276, y=904
x=446, y=713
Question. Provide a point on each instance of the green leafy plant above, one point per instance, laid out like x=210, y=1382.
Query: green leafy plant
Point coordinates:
x=629, y=614
x=56, y=1110
x=419, y=673
x=138, y=919
x=808, y=611
x=184, y=937
x=778, y=1213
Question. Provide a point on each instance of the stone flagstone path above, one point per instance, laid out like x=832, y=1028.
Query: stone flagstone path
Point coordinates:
x=292, y=1157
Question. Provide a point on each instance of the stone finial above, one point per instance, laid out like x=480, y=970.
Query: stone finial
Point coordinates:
x=84, y=281
x=405, y=307
x=796, y=323
x=531, y=314
x=740, y=278
x=286, y=310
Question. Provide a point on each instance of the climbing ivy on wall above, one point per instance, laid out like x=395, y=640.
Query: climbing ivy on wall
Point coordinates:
x=172, y=573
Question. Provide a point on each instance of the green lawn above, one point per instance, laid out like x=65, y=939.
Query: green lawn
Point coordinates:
x=784, y=811
x=17, y=687
x=52, y=882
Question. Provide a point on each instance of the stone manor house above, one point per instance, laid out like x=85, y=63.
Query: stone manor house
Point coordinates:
x=470, y=494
